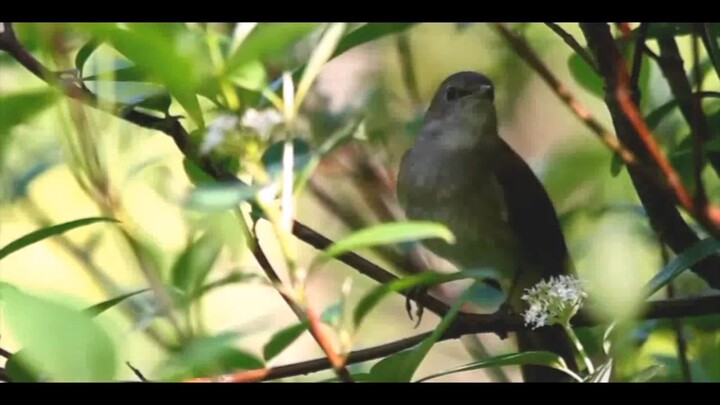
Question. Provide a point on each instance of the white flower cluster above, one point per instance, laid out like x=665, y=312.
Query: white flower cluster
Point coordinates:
x=555, y=301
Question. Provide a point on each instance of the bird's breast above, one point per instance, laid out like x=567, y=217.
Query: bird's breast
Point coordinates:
x=466, y=197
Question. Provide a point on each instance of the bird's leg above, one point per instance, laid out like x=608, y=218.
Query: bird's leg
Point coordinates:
x=420, y=310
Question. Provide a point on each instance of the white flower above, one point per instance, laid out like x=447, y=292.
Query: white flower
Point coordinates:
x=262, y=121
x=554, y=301
x=217, y=131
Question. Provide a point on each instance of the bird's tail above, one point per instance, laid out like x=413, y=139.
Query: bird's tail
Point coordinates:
x=547, y=338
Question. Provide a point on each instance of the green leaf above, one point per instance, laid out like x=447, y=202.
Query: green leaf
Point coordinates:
x=272, y=157
x=486, y=295
x=60, y=343
x=44, y=233
x=320, y=55
x=101, y=307
x=195, y=263
x=513, y=359
x=209, y=355
x=282, y=339
x=391, y=232
x=602, y=374
x=616, y=164
x=407, y=367
x=682, y=262
x=585, y=75
x=170, y=60
x=234, y=277
x=17, y=369
x=251, y=76
x=392, y=368
x=220, y=196
x=656, y=116
x=369, y=32
x=372, y=298
x=19, y=108
x=712, y=30
x=195, y=173
x=84, y=54
x=266, y=40
x=647, y=374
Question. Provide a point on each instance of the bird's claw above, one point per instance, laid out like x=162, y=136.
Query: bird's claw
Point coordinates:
x=420, y=310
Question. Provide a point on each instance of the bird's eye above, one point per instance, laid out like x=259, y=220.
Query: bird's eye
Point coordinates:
x=452, y=93
x=490, y=92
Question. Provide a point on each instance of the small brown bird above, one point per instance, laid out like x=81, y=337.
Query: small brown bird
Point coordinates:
x=459, y=172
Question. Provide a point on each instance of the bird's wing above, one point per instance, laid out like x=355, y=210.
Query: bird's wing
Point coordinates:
x=531, y=214
x=544, y=252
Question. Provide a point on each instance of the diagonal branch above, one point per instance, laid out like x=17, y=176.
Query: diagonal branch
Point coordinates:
x=662, y=211
x=573, y=43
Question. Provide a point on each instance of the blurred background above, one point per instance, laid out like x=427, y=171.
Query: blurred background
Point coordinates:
x=387, y=82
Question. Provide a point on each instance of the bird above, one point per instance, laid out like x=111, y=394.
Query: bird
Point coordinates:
x=459, y=172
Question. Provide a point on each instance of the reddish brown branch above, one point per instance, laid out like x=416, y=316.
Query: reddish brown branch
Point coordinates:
x=337, y=362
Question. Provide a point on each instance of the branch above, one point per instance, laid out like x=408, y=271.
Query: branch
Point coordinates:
x=638, y=53
x=662, y=212
x=307, y=314
x=137, y=372
x=671, y=65
x=467, y=324
x=573, y=43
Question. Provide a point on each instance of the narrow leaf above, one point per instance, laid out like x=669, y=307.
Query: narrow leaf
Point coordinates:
x=44, y=233
x=101, y=307
x=647, y=374
x=682, y=262
x=19, y=108
x=282, y=339
x=513, y=359
x=393, y=232
x=369, y=32
x=322, y=53
x=372, y=298
x=585, y=75
x=602, y=374
x=219, y=197
x=59, y=342
x=265, y=40
x=194, y=264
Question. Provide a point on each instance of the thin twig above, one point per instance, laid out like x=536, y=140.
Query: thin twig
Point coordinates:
x=523, y=49
x=469, y=324
x=680, y=341
x=671, y=65
x=700, y=198
x=637, y=54
x=137, y=372
x=573, y=43
x=408, y=67
x=5, y=353
x=302, y=314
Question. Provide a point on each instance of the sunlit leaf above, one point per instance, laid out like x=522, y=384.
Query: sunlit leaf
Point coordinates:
x=220, y=196
x=602, y=374
x=44, y=233
x=19, y=108
x=647, y=374
x=195, y=263
x=682, y=262
x=266, y=40
x=369, y=32
x=321, y=54
x=101, y=307
x=513, y=359
x=585, y=75
x=392, y=232
x=59, y=342
x=372, y=298
x=18, y=370
x=149, y=47
x=272, y=157
x=282, y=339
x=207, y=356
